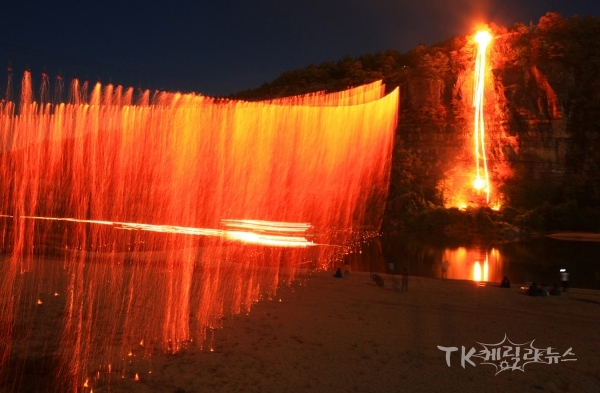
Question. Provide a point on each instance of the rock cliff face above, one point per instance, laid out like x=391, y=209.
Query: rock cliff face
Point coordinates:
x=541, y=132
x=542, y=111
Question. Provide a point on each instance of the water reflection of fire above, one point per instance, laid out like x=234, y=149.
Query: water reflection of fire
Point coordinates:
x=475, y=265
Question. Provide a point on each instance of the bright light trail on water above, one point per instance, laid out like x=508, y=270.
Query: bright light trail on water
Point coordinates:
x=251, y=237
x=271, y=226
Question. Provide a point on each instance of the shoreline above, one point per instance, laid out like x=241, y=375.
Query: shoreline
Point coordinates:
x=575, y=236
x=322, y=334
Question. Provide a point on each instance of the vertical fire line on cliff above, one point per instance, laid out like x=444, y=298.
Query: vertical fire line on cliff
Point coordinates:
x=482, y=38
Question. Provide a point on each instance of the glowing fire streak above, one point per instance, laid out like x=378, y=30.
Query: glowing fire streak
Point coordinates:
x=269, y=240
x=242, y=236
x=267, y=225
x=482, y=38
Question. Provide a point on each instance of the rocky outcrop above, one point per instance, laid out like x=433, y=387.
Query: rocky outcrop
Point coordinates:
x=542, y=111
x=531, y=122
x=405, y=203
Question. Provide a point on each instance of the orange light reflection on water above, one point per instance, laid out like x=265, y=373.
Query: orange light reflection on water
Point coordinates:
x=472, y=264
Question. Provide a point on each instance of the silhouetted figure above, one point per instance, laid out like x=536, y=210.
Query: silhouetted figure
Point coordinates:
x=445, y=266
x=543, y=291
x=405, y=280
x=338, y=273
x=391, y=268
x=555, y=291
x=564, y=278
x=533, y=290
x=505, y=283
x=378, y=280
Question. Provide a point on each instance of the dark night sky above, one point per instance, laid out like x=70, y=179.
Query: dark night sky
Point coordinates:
x=223, y=46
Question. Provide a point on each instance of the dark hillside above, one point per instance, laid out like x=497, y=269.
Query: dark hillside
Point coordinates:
x=542, y=114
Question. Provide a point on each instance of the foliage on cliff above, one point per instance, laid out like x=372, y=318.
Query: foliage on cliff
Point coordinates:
x=547, y=110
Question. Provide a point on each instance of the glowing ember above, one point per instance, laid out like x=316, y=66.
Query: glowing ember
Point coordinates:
x=478, y=183
x=481, y=182
x=483, y=38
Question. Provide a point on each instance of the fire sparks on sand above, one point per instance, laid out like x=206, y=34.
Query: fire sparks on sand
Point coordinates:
x=148, y=218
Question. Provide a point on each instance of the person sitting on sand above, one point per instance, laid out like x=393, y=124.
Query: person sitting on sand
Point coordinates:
x=445, y=266
x=533, y=290
x=378, y=280
x=338, y=273
x=543, y=291
x=564, y=278
x=555, y=291
x=505, y=283
x=405, y=281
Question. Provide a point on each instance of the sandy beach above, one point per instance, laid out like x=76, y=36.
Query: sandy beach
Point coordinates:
x=323, y=334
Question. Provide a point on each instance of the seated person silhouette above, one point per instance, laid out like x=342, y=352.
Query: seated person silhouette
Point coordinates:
x=533, y=290
x=505, y=283
x=338, y=273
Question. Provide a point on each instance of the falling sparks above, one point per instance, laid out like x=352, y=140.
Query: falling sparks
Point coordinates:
x=481, y=182
x=175, y=210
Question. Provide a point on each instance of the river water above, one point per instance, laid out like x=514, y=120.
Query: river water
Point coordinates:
x=538, y=259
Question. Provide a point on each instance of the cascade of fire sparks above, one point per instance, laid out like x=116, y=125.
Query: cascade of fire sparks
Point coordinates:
x=481, y=182
x=119, y=209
